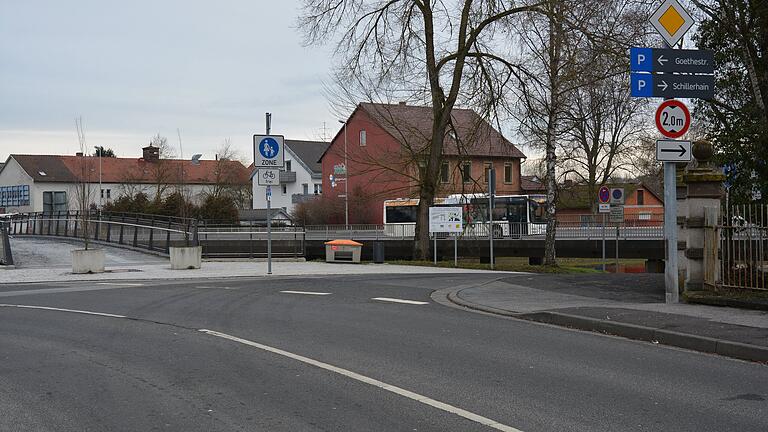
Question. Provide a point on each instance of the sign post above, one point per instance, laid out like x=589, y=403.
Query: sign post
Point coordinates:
x=446, y=220
x=268, y=159
x=653, y=76
x=603, y=198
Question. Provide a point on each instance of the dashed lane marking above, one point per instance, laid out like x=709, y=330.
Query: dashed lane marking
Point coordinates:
x=394, y=300
x=307, y=293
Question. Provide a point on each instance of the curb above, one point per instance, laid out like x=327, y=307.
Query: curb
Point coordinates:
x=630, y=331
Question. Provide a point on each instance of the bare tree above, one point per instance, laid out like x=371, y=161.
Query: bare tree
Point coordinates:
x=83, y=187
x=570, y=46
x=435, y=52
x=603, y=130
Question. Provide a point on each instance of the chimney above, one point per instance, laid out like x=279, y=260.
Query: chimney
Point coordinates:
x=151, y=153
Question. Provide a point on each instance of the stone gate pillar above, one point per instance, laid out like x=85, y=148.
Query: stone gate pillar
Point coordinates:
x=704, y=192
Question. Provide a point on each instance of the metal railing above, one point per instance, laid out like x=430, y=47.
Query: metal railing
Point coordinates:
x=743, y=248
x=149, y=232
x=577, y=227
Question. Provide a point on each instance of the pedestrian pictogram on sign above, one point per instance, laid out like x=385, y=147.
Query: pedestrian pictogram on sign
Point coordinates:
x=673, y=118
x=268, y=151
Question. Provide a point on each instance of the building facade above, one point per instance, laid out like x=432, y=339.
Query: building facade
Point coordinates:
x=50, y=183
x=379, y=154
x=300, y=179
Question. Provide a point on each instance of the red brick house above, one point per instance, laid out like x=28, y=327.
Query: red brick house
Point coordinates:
x=385, y=144
x=640, y=203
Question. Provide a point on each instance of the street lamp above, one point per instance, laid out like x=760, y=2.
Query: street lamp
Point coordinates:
x=346, y=178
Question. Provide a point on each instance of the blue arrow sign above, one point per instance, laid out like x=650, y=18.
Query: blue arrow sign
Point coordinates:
x=671, y=60
x=672, y=86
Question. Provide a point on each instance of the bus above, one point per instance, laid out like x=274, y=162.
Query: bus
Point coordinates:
x=514, y=216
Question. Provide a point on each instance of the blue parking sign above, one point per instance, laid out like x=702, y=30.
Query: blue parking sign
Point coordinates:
x=641, y=59
x=642, y=85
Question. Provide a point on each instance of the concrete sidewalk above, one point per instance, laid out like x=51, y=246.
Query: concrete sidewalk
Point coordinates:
x=629, y=305
x=216, y=270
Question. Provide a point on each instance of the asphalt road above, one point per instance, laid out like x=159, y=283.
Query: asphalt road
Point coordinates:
x=340, y=362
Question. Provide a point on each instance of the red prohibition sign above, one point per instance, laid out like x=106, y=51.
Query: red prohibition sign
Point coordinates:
x=673, y=118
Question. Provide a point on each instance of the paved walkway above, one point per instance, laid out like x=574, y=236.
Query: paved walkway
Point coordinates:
x=630, y=305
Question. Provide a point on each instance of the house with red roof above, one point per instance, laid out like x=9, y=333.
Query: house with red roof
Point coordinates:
x=36, y=183
x=385, y=145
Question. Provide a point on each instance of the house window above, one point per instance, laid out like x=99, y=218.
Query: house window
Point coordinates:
x=318, y=189
x=285, y=189
x=466, y=172
x=640, y=197
x=487, y=171
x=106, y=193
x=363, y=138
x=54, y=202
x=508, y=173
x=288, y=166
x=444, y=172
x=644, y=216
x=305, y=188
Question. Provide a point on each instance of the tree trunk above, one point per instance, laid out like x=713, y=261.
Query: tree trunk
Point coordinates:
x=555, y=41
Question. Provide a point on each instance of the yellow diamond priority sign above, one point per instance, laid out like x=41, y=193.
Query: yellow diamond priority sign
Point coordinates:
x=672, y=21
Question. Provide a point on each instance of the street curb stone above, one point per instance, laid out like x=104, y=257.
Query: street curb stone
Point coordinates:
x=631, y=331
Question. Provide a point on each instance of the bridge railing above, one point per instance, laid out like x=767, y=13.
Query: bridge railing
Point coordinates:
x=149, y=232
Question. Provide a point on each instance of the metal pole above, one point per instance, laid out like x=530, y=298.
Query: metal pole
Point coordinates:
x=455, y=250
x=670, y=232
x=269, y=209
x=435, y=247
x=617, y=250
x=269, y=230
x=603, y=214
x=491, y=179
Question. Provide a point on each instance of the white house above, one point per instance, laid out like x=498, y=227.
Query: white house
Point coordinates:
x=300, y=180
x=49, y=183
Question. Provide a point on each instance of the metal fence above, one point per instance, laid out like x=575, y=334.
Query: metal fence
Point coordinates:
x=743, y=251
x=586, y=227
x=248, y=240
x=149, y=232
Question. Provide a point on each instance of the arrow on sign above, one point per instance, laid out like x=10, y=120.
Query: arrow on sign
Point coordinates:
x=662, y=60
x=681, y=150
x=663, y=86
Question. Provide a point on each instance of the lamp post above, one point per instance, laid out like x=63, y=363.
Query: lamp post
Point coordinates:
x=346, y=178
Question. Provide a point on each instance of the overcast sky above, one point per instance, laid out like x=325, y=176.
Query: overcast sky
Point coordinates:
x=136, y=68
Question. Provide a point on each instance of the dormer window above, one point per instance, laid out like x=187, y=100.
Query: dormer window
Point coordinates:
x=42, y=173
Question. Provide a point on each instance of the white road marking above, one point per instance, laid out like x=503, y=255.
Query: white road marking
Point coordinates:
x=63, y=310
x=376, y=383
x=394, y=300
x=306, y=293
x=344, y=372
x=120, y=284
x=59, y=290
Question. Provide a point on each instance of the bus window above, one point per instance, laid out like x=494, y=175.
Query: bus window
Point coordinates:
x=537, y=210
x=401, y=214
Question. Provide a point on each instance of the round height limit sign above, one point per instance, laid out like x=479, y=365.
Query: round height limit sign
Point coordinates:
x=673, y=118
